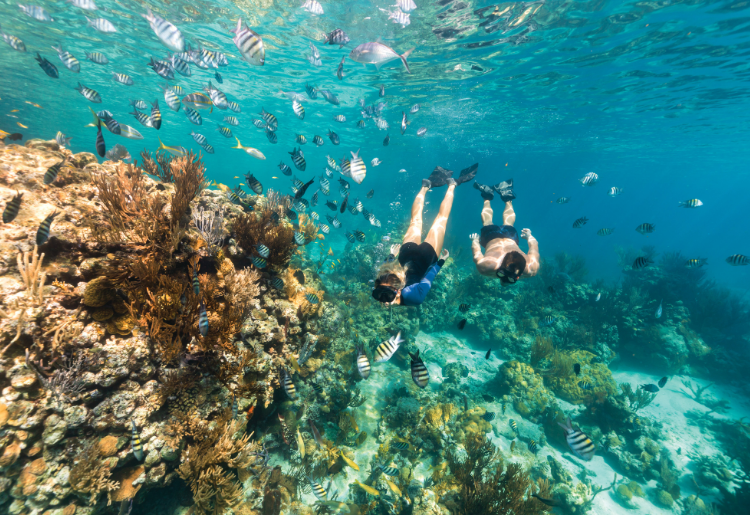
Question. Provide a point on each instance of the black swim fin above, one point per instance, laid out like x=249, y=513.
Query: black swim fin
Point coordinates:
x=467, y=174
x=439, y=176
x=485, y=190
x=505, y=190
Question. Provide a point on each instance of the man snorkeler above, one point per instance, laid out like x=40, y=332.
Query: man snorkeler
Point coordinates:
x=503, y=258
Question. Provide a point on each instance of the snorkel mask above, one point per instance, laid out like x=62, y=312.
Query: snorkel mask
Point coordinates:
x=511, y=268
x=384, y=294
x=507, y=276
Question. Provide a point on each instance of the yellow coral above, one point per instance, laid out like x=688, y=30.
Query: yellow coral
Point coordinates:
x=597, y=375
x=98, y=292
x=102, y=314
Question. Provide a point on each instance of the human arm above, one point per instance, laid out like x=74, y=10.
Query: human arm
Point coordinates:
x=476, y=249
x=532, y=266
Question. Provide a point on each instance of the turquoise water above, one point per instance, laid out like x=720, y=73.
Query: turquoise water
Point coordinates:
x=652, y=96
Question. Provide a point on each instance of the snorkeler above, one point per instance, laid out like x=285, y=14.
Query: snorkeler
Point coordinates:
x=408, y=279
x=503, y=257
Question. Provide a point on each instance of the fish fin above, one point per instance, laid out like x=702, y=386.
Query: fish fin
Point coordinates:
x=404, y=56
x=239, y=145
x=239, y=26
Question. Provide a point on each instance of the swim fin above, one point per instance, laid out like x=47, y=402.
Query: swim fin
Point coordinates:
x=439, y=176
x=467, y=174
x=505, y=190
x=485, y=190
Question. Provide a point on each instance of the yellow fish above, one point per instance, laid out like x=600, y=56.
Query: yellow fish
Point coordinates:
x=295, y=365
x=349, y=462
x=222, y=187
x=250, y=150
x=236, y=176
x=370, y=490
x=393, y=488
x=4, y=134
x=301, y=444
x=274, y=177
x=175, y=151
x=35, y=105
x=14, y=111
x=21, y=125
x=330, y=251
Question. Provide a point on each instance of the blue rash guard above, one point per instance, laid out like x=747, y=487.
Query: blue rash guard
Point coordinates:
x=414, y=294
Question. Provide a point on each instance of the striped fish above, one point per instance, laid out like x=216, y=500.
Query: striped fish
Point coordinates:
x=324, y=229
x=42, y=233
x=49, y=68
x=163, y=68
x=203, y=319
x=738, y=260
x=249, y=44
x=641, y=262
x=123, y=79
x=234, y=106
x=298, y=158
x=489, y=416
x=155, y=115
x=513, y=425
x=298, y=109
x=606, y=231
x=421, y=131
x=646, y=228
x=578, y=441
x=614, y=191
x=218, y=97
x=139, y=104
x=312, y=299
x=89, y=5
x=263, y=251
x=11, y=209
x=589, y=179
x=285, y=169
x=333, y=137
x=318, y=490
x=196, y=283
x=359, y=234
x=313, y=7
x=358, y=168
x=310, y=90
x=271, y=121
x=226, y=132
x=585, y=385
x=563, y=200
x=277, y=283
x=171, y=98
x=361, y=124
x=335, y=222
x=580, y=222
x=193, y=116
x=89, y=94
x=101, y=147
x=696, y=262
x=259, y=262
x=101, y=25
x=289, y=387
x=166, y=32
x=363, y=364
x=97, y=58
x=388, y=348
x=339, y=118
x=350, y=237
x=299, y=239
x=418, y=370
x=401, y=446
x=200, y=139
x=693, y=202
x=231, y=120
x=51, y=174
x=14, y=42
x=143, y=118
x=301, y=139
x=388, y=471
x=62, y=140
x=36, y=12
x=70, y=62
x=272, y=136
x=136, y=443
x=181, y=66
x=318, y=140
x=381, y=124
x=337, y=37
x=399, y=17
x=532, y=446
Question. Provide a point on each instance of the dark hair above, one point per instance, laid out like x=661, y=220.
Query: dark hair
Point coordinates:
x=511, y=268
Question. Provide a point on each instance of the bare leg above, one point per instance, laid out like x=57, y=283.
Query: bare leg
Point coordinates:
x=509, y=216
x=487, y=213
x=437, y=232
x=414, y=233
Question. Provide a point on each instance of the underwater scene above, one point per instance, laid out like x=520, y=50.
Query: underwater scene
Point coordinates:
x=364, y=257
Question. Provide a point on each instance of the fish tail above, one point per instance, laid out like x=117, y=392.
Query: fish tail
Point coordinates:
x=239, y=145
x=161, y=143
x=404, y=56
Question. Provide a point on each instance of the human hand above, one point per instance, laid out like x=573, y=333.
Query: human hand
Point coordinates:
x=395, y=248
x=444, y=254
x=474, y=237
x=526, y=234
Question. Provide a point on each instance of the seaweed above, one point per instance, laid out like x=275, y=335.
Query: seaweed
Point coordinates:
x=487, y=485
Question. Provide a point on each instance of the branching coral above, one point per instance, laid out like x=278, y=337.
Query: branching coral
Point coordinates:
x=251, y=229
x=64, y=382
x=209, y=465
x=636, y=399
x=160, y=168
x=210, y=225
x=33, y=277
x=243, y=289
x=487, y=486
x=90, y=474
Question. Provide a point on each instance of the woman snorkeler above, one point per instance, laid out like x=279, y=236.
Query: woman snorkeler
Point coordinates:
x=408, y=279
